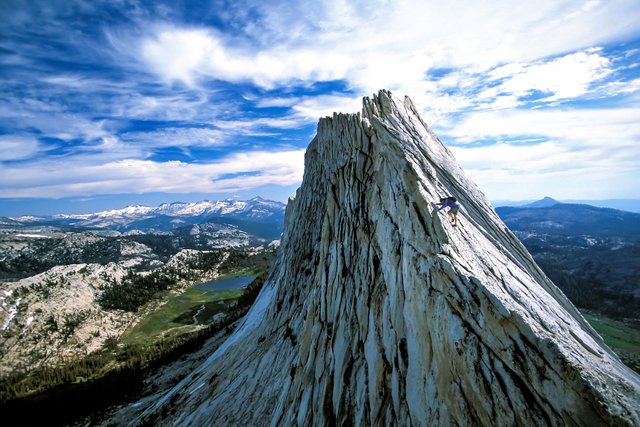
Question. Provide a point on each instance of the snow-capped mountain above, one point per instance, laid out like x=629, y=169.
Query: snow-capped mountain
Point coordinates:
x=31, y=245
x=167, y=216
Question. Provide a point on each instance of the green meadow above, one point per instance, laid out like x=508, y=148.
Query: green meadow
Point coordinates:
x=623, y=338
x=176, y=315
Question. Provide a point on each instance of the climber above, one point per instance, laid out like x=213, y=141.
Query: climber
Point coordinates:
x=453, y=206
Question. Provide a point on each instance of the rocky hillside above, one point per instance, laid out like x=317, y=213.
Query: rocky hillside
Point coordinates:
x=379, y=312
x=61, y=315
x=28, y=252
x=53, y=317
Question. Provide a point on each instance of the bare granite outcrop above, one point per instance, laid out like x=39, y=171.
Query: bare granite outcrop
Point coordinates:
x=379, y=312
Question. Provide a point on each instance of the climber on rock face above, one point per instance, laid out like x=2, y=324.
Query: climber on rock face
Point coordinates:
x=453, y=206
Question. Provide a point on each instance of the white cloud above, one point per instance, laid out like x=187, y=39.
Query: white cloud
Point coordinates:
x=253, y=126
x=308, y=109
x=583, y=153
x=18, y=148
x=565, y=77
x=312, y=108
x=378, y=44
x=587, y=127
x=172, y=106
x=620, y=88
x=176, y=54
x=50, y=118
x=81, y=82
x=187, y=54
x=73, y=176
x=177, y=137
x=266, y=102
x=496, y=52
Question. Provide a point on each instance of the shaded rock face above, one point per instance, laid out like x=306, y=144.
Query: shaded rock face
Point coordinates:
x=379, y=312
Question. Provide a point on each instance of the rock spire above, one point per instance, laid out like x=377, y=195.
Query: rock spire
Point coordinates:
x=379, y=312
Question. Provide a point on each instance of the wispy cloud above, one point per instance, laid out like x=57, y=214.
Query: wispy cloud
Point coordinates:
x=609, y=127
x=568, y=76
x=244, y=170
x=381, y=44
x=591, y=152
x=48, y=118
x=131, y=96
x=177, y=137
x=185, y=55
x=18, y=148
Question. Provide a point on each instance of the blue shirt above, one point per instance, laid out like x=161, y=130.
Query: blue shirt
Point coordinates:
x=448, y=202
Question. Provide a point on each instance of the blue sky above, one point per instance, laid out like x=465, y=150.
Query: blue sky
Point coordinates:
x=124, y=101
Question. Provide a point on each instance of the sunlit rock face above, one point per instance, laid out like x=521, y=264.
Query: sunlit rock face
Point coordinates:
x=379, y=312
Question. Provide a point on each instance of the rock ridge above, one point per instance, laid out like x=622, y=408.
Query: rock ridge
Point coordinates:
x=377, y=312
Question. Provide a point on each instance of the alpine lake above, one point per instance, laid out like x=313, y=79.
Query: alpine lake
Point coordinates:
x=198, y=306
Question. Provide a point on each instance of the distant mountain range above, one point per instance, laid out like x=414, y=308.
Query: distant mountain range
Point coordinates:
x=591, y=253
x=166, y=217
x=571, y=219
x=630, y=205
x=140, y=237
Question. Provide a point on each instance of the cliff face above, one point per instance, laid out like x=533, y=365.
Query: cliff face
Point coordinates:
x=379, y=312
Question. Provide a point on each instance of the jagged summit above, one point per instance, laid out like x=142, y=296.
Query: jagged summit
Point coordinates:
x=379, y=312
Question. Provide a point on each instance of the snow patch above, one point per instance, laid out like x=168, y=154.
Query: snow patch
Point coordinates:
x=12, y=312
x=28, y=218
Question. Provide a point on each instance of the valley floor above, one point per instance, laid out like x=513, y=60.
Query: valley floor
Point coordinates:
x=622, y=337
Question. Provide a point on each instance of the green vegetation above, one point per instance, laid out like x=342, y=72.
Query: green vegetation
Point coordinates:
x=241, y=264
x=162, y=245
x=168, y=332
x=623, y=338
x=166, y=320
x=44, y=254
x=180, y=325
x=137, y=289
x=71, y=322
x=144, y=347
x=251, y=292
x=587, y=291
x=113, y=366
